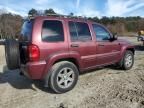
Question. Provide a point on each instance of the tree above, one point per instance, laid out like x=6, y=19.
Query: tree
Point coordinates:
x=49, y=11
x=71, y=14
x=96, y=19
x=40, y=12
x=2, y=11
x=10, y=25
x=33, y=12
x=105, y=20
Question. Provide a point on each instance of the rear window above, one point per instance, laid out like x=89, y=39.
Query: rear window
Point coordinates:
x=52, y=31
x=26, y=30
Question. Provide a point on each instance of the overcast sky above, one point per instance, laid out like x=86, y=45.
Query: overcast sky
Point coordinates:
x=78, y=7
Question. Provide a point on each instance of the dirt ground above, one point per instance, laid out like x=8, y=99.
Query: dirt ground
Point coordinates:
x=103, y=88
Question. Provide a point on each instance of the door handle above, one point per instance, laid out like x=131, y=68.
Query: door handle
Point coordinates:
x=101, y=45
x=74, y=45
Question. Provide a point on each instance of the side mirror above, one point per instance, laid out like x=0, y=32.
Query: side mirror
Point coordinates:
x=114, y=36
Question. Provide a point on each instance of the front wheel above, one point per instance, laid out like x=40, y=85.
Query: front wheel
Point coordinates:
x=127, y=61
x=64, y=76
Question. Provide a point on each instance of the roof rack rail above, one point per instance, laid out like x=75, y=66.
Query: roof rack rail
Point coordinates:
x=31, y=16
x=67, y=16
x=59, y=15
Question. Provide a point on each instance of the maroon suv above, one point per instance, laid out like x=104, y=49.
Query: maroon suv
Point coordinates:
x=56, y=49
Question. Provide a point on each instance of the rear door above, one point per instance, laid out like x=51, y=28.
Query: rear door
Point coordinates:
x=107, y=51
x=82, y=43
x=53, y=42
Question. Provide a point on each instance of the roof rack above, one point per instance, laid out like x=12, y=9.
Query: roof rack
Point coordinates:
x=67, y=16
x=31, y=16
x=58, y=15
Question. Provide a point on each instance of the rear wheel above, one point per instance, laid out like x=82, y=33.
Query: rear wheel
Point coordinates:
x=64, y=76
x=12, y=54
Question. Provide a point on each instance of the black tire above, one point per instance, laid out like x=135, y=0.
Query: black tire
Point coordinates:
x=12, y=54
x=56, y=69
x=139, y=38
x=123, y=64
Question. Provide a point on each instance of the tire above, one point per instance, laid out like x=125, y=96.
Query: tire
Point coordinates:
x=58, y=77
x=12, y=54
x=124, y=63
x=139, y=39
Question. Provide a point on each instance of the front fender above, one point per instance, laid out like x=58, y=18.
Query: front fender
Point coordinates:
x=125, y=48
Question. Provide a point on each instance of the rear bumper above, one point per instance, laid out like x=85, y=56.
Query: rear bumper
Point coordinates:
x=33, y=70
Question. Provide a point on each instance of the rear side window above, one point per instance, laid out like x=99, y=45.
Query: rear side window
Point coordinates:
x=79, y=31
x=52, y=31
x=73, y=31
x=26, y=31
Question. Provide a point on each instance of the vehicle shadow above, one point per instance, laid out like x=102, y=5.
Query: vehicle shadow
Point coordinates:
x=21, y=82
x=116, y=69
x=17, y=81
x=139, y=47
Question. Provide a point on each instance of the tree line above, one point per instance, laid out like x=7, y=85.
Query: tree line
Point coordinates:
x=10, y=24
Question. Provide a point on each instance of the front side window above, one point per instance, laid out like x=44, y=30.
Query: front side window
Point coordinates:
x=83, y=31
x=79, y=31
x=52, y=31
x=101, y=33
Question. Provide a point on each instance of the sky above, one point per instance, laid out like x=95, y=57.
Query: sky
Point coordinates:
x=88, y=8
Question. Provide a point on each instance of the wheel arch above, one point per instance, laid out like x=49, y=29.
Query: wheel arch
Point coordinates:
x=72, y=60
x=125, y=48
x=131, y=49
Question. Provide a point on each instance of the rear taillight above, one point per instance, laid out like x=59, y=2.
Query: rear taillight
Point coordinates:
x=34, y=53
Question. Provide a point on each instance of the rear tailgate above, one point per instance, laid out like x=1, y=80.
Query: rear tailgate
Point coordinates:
x=25, y=40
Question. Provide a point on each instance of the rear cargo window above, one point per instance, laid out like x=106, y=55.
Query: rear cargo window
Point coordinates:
x=26, y=30
x=52, y=31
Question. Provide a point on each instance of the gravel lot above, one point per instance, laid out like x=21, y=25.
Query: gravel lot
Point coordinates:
x=102, y=88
